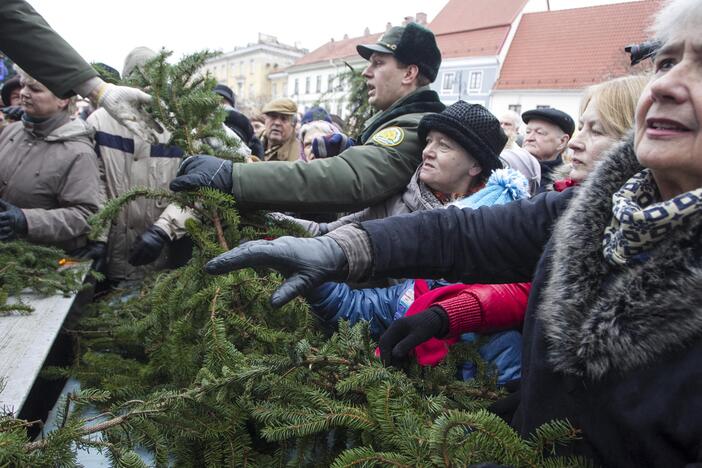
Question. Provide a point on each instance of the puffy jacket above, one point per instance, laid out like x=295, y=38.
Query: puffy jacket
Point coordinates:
x=127, y=162
x=503, y=304
x=51, y=172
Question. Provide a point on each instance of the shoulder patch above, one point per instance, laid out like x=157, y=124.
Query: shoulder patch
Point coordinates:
x=391, y=136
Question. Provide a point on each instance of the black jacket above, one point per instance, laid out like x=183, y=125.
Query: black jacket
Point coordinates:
x=615, y=351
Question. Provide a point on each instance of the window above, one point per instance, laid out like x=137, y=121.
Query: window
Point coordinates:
x=330, y=82
x=241, y=67
x=475, y=81
x=274, y=90
x=296, y=90
x=318, y=87
x=308, y=82
x=516, y=108
x=447, y=82
x=251, y=67
x=251, y=91
x=543, y=107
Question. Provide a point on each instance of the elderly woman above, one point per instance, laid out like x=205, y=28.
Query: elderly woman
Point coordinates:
x=606, y=116
x=322, y=139
x=613, y=329
x=463, y=146
x=49, y=179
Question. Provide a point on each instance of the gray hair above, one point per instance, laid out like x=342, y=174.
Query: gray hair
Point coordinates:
x=675, y=17
x=71, y=106
x=516, y=118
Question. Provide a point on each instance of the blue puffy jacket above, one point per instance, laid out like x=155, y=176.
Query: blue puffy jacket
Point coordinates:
x=379, y=307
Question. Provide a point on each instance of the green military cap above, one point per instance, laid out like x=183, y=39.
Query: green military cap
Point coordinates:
x=410, y=44
x=281, y=106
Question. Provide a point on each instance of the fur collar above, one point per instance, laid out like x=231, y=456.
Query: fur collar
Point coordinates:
x=599, y=318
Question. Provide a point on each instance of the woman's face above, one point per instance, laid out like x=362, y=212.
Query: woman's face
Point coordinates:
x=590, y=143
x=447, y=167
x=38, y=101
x=310, y=135
x=668, y=117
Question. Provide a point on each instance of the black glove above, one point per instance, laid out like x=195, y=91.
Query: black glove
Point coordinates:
x=12, y=221
x=93, y=250
x=305, y=262
x=203, y=171
x=148, y=246
x=406, y=333
x=14, y=113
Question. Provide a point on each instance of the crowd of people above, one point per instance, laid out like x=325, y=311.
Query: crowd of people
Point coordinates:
x=572, y=250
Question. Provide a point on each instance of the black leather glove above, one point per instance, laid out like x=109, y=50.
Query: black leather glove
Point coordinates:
x=406, y=333
x=13, y=113
x=305, y=262
x=148, y=246
x=12, y=221
x=93, y=250
x=203, y=171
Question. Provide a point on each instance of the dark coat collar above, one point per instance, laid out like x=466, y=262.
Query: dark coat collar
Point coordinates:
x=598, y=318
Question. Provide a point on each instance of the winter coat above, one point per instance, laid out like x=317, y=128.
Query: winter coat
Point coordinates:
x=288, y=151
x=369, y=173
x=333, y=302
x=30, y=42
x=50, y=171
x=127, y=162
x=614, y=350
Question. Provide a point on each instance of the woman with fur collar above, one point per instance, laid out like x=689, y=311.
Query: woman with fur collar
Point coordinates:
x=613, y=328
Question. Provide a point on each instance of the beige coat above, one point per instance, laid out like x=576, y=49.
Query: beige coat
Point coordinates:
x=51, y=172
x=288, y=151
x=128, y=162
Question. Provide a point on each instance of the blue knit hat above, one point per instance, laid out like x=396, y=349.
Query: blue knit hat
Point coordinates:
x=503, y=186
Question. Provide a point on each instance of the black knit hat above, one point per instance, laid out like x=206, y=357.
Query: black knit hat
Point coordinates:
x=240, y=124
x=412, y=45
x=474, y=128
x=7, y=88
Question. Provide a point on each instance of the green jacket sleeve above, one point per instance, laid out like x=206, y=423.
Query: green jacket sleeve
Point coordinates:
x=30, y=42
x=359, y=177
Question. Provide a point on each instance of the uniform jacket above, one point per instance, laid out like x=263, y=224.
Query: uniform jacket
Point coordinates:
x=616, y=351
x=52, y=174
x=28, y=40
x=128, y=162
x=363, y=175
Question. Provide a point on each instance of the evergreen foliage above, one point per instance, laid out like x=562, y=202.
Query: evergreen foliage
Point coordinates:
x=359, y=110
x=35, y=268
x=202, y=371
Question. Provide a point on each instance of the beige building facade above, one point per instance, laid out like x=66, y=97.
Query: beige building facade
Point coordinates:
x=246, y=70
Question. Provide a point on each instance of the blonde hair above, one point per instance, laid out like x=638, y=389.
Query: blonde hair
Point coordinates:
x=28, y=79
x=616, y=102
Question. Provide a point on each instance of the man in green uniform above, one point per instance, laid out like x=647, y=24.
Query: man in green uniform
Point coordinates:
x=401, y=66
x=30, y=42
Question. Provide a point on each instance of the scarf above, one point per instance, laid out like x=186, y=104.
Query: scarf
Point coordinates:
x=640, y=222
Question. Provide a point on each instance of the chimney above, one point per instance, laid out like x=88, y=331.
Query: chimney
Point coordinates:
x=366, y=32
x=346, y=36
x=421, y=18
x=408, y=20
x=388, y=25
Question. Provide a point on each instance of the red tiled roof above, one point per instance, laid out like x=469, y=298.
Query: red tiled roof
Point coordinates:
x=571, y=49
x=345, y=48
x=469, y=15
x=472, y=43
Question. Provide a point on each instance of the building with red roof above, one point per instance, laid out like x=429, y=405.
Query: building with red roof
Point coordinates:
x=555, y=55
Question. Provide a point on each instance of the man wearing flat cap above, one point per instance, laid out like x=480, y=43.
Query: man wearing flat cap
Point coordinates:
x=401, y=66
x=547, y=134
x=278, y=138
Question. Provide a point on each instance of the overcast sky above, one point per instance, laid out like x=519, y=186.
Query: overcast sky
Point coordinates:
x=106, y=30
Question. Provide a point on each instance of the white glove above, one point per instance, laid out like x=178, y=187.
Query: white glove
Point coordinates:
x=126, y=105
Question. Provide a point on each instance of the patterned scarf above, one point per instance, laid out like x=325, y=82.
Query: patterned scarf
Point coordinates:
x=640, y=222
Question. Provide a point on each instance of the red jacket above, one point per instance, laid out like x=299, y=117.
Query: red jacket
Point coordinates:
x=480, y=308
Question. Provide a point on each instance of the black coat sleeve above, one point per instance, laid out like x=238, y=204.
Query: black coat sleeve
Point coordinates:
x=30, y=42
x=497, y=244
